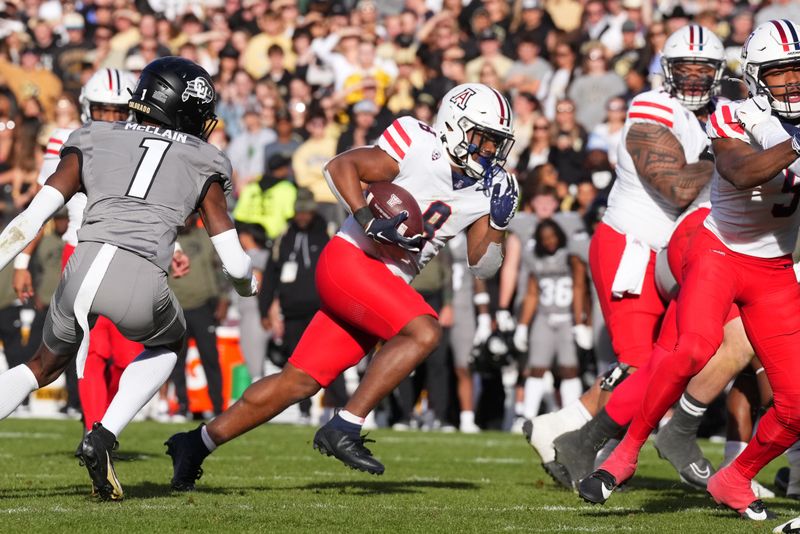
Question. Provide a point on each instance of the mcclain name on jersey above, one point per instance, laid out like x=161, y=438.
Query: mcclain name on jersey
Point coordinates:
x=157, y=130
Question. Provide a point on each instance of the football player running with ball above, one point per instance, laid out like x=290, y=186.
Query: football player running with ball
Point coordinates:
x=455, y=173
x=742, y=255
x=141, y=179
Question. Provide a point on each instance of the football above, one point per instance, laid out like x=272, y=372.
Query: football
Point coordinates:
x=386, y=200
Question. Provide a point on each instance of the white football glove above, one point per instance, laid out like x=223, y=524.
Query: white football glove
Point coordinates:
x=583, y=335
x=483, y=330
x=521, y=338
x=505, y=321
x=245, y=287
x=754, y=112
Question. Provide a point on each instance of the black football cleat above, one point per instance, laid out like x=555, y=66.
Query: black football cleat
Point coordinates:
x=559, y=474
x=348, y=449
x=790, y=527
x=597, y=487
x=757, y=511
x=685, y=456
x=188, y=452
x=95, y=455
x=576, y=455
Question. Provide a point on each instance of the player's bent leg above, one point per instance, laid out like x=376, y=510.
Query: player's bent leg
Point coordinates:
x=394, y=361
x=676, y=441
x=20, y=381
x=397, y=358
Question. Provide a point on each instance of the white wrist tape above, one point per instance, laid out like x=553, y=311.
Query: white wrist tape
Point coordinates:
x=26, y=225
x=236, y=262
x=22, y=261
x=489, y=262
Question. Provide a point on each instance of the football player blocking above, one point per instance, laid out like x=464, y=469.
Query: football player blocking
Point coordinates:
x=742, y=255
x=454, y=171
x=662, y=178
x=141, y=180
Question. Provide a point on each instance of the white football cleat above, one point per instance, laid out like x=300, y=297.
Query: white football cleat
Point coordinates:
x=541, y=431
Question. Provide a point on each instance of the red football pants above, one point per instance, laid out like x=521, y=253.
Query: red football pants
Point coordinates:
x=362, y=302
x=633, y=321
x=768, y=296
x=109, y=354
x=626, y=399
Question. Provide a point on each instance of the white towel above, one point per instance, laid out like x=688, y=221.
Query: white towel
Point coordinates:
x=85, y=298
x=632, y=268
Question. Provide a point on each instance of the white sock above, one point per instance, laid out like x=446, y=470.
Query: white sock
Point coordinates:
x=534, y=391
x=207, y=441
x=574, y=415
x=732, y=450
x=571, y=390
x=137, y=385
x=16, y=384
x=467, y=417
x=519, y=408
x=351, y=418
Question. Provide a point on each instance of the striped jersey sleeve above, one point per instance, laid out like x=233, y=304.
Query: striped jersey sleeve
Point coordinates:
x=396, y=140
x=52, y=153
x=648, y=107
x=723, y=124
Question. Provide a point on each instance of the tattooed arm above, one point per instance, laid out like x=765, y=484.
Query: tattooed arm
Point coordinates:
x=659, y=159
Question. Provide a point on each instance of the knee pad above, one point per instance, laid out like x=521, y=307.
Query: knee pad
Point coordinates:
x=692, y=353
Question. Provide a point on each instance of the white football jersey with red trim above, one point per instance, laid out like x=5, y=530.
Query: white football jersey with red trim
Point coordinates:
x=634, y=207
x=77, y=203
x=761, y=221
x=449, y=203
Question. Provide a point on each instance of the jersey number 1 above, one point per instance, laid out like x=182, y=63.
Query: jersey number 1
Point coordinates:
x=154, y=152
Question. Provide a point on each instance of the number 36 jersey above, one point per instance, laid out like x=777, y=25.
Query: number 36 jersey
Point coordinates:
x=761, y=221
x=449, y=203
x=142, y=182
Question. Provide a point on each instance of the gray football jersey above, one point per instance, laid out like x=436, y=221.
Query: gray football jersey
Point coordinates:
x=555, y=280
x=141, y=183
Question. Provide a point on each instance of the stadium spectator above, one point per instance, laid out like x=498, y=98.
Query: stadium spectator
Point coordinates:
x=269, y=201
x=246, y=149
x=591, y=89
x=307, y=162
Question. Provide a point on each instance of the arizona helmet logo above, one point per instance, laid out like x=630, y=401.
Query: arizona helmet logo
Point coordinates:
x=461, y=98
x=200, y=89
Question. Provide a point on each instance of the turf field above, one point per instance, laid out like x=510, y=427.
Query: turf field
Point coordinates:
x=272, y=481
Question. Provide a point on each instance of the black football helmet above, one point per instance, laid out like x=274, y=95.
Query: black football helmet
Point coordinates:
x=175, y=93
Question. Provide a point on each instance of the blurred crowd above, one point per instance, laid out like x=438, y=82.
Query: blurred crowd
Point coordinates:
x=299, y=81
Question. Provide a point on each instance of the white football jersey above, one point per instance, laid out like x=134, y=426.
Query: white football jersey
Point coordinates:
x=761, y=221
x=449, y=202
x=634, y=207
x=77, y=203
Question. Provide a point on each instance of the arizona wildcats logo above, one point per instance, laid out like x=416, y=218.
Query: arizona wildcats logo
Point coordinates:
x=200, y=89
x=461, y=98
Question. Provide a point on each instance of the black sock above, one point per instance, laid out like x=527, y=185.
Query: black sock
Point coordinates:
x=344, y=426
x=688, y=415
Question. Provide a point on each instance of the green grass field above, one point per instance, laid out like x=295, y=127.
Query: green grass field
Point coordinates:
x=272, y=481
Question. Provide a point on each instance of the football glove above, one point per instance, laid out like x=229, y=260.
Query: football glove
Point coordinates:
x=505, y=321
x=483, y=330
x=503, y=203
x=245, y=287
x=521, y=338
x=753, y=112
x=583, y=336
x=385, y=231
